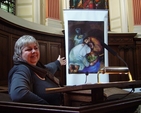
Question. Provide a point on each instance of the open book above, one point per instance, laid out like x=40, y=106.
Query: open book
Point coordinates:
x=112, y=91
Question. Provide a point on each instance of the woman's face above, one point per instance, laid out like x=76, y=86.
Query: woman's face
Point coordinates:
x=31, y=53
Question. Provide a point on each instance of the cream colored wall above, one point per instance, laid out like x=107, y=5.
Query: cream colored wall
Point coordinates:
x=31, y=10
x=30, y=25
x=64, y=5
x=42, y=12
x=115, y=16
x=130, y=15
x=121, y=14
x=118, y=16
x=121, y=17
x=25, y=9
x=34, y=11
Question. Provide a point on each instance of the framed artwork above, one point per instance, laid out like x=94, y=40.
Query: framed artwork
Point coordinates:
x=85, y=30
x=85, y=52
x=88, y=4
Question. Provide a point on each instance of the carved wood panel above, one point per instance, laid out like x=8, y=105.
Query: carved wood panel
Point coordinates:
x=4, y=56
x=124, y=45
x=138, y=58
x=43, y=51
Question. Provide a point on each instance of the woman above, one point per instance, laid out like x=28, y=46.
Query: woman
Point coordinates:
x=28, y=78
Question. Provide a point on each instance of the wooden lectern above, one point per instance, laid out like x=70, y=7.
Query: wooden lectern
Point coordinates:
x=96, y=90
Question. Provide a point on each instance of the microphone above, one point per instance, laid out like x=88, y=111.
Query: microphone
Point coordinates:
x=99, y=35
x=108, y=48
x=110, y=70
x=112, y=51
x=114, y=69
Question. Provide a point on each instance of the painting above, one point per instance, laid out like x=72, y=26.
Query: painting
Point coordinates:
x=88, y=4
x=85, y=49
x=85, y=32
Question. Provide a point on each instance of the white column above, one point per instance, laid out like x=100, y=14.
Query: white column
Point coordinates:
x=37, y=11
x=124, y=19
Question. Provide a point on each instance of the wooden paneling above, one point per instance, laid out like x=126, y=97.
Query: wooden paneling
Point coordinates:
x=138, y=58
x=55, y=50
x=124, y=45
x=43, y=51
x=4, y=56
x=128, y=105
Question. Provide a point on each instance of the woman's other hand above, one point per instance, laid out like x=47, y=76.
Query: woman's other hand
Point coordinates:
x=61, y=60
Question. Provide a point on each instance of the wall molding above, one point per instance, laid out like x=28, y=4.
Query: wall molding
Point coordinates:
x=30, y=25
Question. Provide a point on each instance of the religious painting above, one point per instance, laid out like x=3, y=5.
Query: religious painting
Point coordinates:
x=88, y=4
x=85, y=51
x=85, y=31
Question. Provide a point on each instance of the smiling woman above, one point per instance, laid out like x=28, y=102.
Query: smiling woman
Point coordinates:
x=28, y=78
x=27, y=49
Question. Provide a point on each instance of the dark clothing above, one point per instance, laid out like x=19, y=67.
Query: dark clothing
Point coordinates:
x=43, y=70
x=25, y=86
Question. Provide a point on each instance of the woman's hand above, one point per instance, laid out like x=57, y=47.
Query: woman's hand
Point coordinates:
x=61, y=60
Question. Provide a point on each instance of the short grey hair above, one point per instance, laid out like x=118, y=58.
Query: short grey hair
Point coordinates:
x=20, y=43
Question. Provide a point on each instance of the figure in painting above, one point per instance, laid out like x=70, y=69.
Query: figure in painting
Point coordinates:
x=78, y=39
x=77, y=57
x=86, y=57
x=88, y=4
